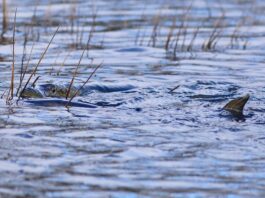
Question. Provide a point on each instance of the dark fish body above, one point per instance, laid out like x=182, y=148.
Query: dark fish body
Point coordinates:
x=60, y=91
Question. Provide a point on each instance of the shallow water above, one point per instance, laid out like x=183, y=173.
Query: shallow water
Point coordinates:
x=154, y=143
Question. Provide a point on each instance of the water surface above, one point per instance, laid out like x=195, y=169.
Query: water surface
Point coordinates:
x=154, y=143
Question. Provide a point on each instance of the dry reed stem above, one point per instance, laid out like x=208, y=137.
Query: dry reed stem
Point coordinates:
x=63, y=63
x=173, y=89
x=74, y=74
x=139, y=27
x=27, y=65
x=77, y=91
x=181, y=29
x=36, y=67
x=55, y=62
x=185, y=32
x=189, y=48
x=35, y=81
x=212, y=40
x=81, y=36
x=153, y=37
x=72, y=16
x=3, y=94
x=82, y=55
x=143, y=37
x=170, y=33
x=235, y=35
x=245, y=44
x=47, y=16
x=92, y=30
x=77, y=34
x=4, y=17
x=11, y=92
x=65, y=58
x=22, y=61
x=185, y=27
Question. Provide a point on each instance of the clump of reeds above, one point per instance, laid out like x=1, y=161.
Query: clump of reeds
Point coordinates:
x=78, y=28
x=176, y=38
x=36, y=67
x=211, y=42
x=182, y=37
x=237, y=37
x=77, y=42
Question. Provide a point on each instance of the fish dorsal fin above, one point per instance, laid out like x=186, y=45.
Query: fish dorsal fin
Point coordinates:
x=237, y=105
